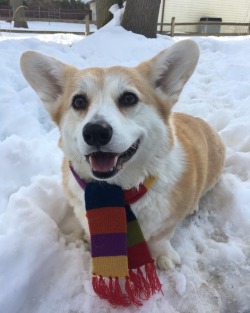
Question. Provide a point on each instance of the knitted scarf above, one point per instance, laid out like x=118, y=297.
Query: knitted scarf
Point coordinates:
x=122, y=267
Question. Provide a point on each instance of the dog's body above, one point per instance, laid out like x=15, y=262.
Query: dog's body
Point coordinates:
x=116, y=125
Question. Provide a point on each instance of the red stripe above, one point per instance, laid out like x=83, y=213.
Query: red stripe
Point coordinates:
x=139, y=255
x=107, y=220
x=134, y=194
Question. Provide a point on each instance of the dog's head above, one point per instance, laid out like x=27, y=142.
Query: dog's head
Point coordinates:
x=113, y=121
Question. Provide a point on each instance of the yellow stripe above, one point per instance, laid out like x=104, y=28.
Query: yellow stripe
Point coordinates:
x=114, y=266
x=149, y=182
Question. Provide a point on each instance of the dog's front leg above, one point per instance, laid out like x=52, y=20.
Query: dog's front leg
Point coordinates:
x=80, y=214
x=162, y=251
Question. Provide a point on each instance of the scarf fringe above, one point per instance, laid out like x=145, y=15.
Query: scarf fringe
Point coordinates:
x=110, y=291
x=153, y=279
x=137, y=287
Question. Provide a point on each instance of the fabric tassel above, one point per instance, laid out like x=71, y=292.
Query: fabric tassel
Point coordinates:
x=130, y=289
x=100, y=287
x=141, y=286
x=153, y=279
x=111, y=291
x=137, y=287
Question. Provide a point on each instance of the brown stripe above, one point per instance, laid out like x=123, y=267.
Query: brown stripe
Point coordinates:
x=107, y=220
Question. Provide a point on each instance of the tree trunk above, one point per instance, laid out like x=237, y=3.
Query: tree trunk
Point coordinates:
x=18, y=12
x=141, y=17
x=103, y=16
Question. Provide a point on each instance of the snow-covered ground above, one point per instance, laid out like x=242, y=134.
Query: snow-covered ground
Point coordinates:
x=43, y=268
x=47, y=26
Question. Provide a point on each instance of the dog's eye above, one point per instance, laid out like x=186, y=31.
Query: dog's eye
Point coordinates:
x=128, y=99
x=80, y=102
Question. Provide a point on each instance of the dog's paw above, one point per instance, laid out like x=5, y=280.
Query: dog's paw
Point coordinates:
x=165, y=263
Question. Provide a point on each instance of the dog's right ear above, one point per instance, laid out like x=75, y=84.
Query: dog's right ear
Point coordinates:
x=46, y=76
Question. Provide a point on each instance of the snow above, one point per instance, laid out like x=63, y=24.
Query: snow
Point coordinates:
x=44, y=266
x=47, y=27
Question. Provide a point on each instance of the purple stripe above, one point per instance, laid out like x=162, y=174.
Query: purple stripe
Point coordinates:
x=108, y=245
x=80, y=181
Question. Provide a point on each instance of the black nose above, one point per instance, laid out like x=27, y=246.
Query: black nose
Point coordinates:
x=97, y=134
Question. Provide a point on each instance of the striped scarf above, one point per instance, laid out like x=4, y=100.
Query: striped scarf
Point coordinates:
x=123, y=269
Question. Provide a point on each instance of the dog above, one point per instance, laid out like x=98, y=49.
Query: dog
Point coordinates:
x=117, y=125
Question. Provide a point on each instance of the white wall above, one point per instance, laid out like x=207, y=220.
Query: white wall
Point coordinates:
x=92, y=6
x=234, y=11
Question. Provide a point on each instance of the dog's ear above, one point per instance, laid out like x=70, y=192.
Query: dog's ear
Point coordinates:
x=170, y=69
x=46, y=76
x=44, y=73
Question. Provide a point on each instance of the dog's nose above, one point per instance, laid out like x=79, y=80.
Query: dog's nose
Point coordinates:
x=97, y=134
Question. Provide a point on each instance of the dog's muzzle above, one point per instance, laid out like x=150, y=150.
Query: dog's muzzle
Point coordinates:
x=104, y=165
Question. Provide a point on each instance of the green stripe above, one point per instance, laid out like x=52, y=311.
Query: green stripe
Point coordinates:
x=134, y=235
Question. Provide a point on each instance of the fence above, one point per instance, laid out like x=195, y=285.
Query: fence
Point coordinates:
x=206, y=28
x=85, y=22
x=51, y=13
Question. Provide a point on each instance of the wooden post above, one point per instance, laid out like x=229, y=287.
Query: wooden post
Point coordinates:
x=162, y=15
x=87, y=25
x=172, y=27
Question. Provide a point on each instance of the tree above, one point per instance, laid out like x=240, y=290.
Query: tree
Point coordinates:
x=103, y=16
x=141, y=17
x=18, y=12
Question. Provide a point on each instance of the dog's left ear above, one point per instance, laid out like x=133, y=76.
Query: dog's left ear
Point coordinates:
x=170, y=69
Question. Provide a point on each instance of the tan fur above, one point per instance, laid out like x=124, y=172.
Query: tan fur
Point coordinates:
x=205, y=162
x=183, y=152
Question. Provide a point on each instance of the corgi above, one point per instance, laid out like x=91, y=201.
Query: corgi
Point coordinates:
x=116, y=125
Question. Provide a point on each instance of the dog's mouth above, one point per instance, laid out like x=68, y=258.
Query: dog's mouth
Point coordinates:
x=106, y=164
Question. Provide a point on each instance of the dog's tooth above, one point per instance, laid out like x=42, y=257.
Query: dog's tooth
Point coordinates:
x=91, y=163
x=115, y=160
x=90, y=160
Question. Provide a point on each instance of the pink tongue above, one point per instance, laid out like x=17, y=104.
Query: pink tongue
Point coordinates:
x=103, y=162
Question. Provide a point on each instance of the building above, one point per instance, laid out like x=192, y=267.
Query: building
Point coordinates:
x=191, y=11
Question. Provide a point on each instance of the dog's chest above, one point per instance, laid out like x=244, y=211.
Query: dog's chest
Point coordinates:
x=152, y=211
